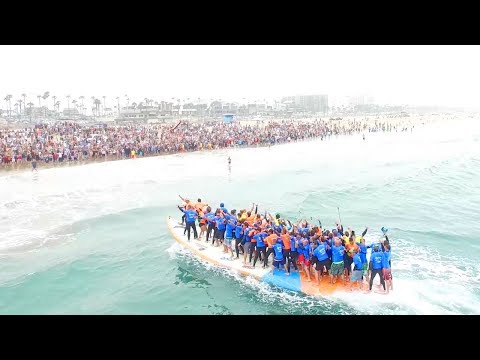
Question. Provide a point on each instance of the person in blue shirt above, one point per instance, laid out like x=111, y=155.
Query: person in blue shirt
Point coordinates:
x=363, y=256
x=260, y=248
x=387, y=274
x=304, y=256
x=278, y=258
x=329, y=241
x=190, y=217
x=292, y=259
x=220, y=226
x=336, y=270
x=357, y=273
x=238, y=236
x=321, y=260
x=387, y=242
x=223, y=208
x=376, y=266
x=209, y=215
x=229, y=229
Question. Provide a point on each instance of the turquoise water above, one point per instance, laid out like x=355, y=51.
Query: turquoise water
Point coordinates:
x=92, y=239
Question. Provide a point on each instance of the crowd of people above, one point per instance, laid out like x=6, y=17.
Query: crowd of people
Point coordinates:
x=338, y=253
x=70, y=141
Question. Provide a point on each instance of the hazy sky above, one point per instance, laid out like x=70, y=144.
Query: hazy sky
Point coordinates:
x=420, y=74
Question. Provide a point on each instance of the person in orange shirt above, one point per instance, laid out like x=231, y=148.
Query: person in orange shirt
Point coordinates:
x=287, y=245
x=199, y=205
x=350, y=248
x=271, y=240
x=251, y=215
x=203, y=221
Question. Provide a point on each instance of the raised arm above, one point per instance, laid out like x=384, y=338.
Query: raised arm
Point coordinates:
x=365, y=231
x=270, y=217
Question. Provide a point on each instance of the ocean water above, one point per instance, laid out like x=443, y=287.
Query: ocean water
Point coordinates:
x=92, y=239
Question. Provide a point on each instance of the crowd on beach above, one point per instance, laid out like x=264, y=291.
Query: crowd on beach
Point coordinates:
x=70, y=141
x=337, y=253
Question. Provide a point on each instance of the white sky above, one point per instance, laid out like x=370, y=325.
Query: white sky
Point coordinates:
x=418, y=75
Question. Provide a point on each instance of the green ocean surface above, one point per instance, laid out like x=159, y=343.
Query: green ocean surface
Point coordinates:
x=92, y=239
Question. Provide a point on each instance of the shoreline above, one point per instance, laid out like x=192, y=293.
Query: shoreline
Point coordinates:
x=27, y=165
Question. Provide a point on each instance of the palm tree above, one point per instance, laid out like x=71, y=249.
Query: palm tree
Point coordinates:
x=68, y=99
x=9, y=99
x=24, y=101
x=97, y=103
x=74, y=102
x=9, y=105
x=81, y=98
x=104, y=105
x=118, y=105
x=20, y=104
x=57, y=104
x=44, y=97
x=54, y=98
x=93, y=108
x=30, y=104
x=39, y=103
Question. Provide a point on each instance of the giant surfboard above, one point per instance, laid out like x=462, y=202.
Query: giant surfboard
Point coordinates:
x=295, y=281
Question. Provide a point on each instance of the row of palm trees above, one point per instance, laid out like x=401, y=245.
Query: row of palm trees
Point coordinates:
x=20, y=105
x=80, y=106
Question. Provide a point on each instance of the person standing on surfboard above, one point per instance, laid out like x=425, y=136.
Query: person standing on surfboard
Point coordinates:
x=247, y=246
x=293, y=256
x=183, y=207
x=337, y=267
x=304, y=257
x=320, y=253
x=260, y=247
x=238, y=235
x=229, y=229
x=376, y=266
x=204, y=222
x=210, y=216
x=387, y=274
x=278, y=258
x=220, y=226
x=190, y=217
